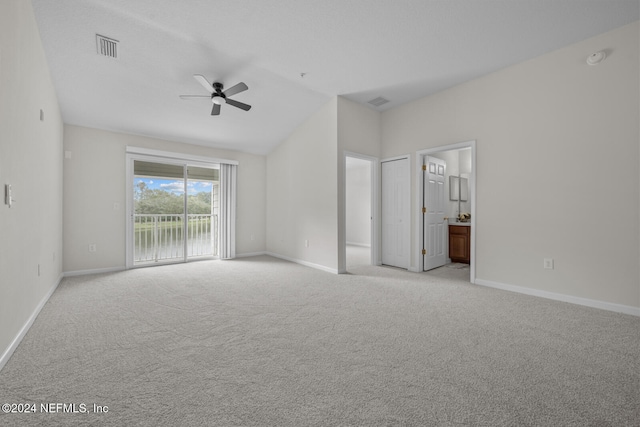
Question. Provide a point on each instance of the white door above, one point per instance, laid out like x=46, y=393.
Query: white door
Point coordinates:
x=395, y=213
x=434, y=213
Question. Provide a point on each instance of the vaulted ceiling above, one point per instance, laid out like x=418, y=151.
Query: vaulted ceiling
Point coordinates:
x=294, y=55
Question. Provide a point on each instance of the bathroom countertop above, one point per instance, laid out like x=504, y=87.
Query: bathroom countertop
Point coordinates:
x=466, y=224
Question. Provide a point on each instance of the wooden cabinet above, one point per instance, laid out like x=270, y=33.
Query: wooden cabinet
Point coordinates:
x=460, y=243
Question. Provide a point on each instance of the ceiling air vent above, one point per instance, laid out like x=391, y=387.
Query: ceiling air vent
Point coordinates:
x=106, y=46
x=378, y=101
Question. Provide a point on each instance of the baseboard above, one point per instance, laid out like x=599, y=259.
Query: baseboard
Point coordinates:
x=16, y=341
x=250, y=254
x=305, y=263
x=603, y=305
x=93, y=271
x=362, y=245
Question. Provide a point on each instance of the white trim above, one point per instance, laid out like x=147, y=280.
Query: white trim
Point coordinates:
x=305, y=263
x=250, y=254
x=179, y=156
x=362, y=245
x=419, y=260
x=16, y=341
x=401, y=157
x=93, y=271
x=603, y=305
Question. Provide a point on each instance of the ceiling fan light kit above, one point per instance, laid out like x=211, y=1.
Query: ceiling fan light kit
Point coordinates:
x=218, y=96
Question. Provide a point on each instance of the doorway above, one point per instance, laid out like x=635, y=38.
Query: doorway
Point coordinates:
x=361, y=212
x=459, y=187
x=359, y=215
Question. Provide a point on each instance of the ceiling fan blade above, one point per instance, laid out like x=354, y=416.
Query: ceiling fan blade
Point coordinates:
x=215, y=110
x=195, y=97
x=241, y=105
x=204, y=82
x=240, y=87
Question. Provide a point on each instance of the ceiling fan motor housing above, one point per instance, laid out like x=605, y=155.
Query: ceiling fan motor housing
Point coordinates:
x=217, y=97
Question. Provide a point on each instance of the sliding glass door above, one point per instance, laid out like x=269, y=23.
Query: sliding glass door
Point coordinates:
x=175, y=212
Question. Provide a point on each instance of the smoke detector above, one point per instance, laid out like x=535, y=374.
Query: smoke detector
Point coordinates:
x=596, y=58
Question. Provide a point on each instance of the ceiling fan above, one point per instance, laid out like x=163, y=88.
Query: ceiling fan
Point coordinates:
x=218, y=96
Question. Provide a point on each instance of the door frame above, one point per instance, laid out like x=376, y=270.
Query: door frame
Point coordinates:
x=375, y=210
x=419, y=223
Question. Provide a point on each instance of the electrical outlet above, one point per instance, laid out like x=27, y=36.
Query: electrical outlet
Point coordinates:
x=548, y=263
x=93, y=247
x=306, y=243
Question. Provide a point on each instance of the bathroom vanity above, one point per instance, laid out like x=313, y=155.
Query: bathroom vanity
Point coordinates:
x=460, y=242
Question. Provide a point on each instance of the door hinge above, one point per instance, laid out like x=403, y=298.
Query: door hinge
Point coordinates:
x=424, y=210
x=424, y=252
x=424, y=167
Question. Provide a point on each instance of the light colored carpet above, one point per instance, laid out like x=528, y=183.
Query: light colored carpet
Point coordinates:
x=263, y=342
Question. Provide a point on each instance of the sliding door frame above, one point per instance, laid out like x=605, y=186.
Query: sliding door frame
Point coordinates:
x=167, y=157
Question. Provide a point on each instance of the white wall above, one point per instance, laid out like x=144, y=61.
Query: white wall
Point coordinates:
x=557, y=166
x=302, y=192
x=358, y=202
x=31, y=161
x=95, y=180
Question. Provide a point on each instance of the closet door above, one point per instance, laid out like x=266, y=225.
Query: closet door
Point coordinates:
x=395, y=213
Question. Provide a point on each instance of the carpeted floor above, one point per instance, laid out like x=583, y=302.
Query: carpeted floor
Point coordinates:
x=263, y=342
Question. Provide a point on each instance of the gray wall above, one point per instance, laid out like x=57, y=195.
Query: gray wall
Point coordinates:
x=31, y=161
x=548, y=185
x=302, y=193
x=95, y=182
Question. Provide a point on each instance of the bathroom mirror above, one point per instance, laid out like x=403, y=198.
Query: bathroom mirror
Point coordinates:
x=454, y=188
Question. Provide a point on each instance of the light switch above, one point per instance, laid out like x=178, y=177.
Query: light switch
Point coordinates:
x=8, y=196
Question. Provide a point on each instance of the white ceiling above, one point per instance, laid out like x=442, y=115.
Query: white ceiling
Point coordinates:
x=361, y=49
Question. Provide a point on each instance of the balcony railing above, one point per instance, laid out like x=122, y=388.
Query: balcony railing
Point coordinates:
x=161, y=237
